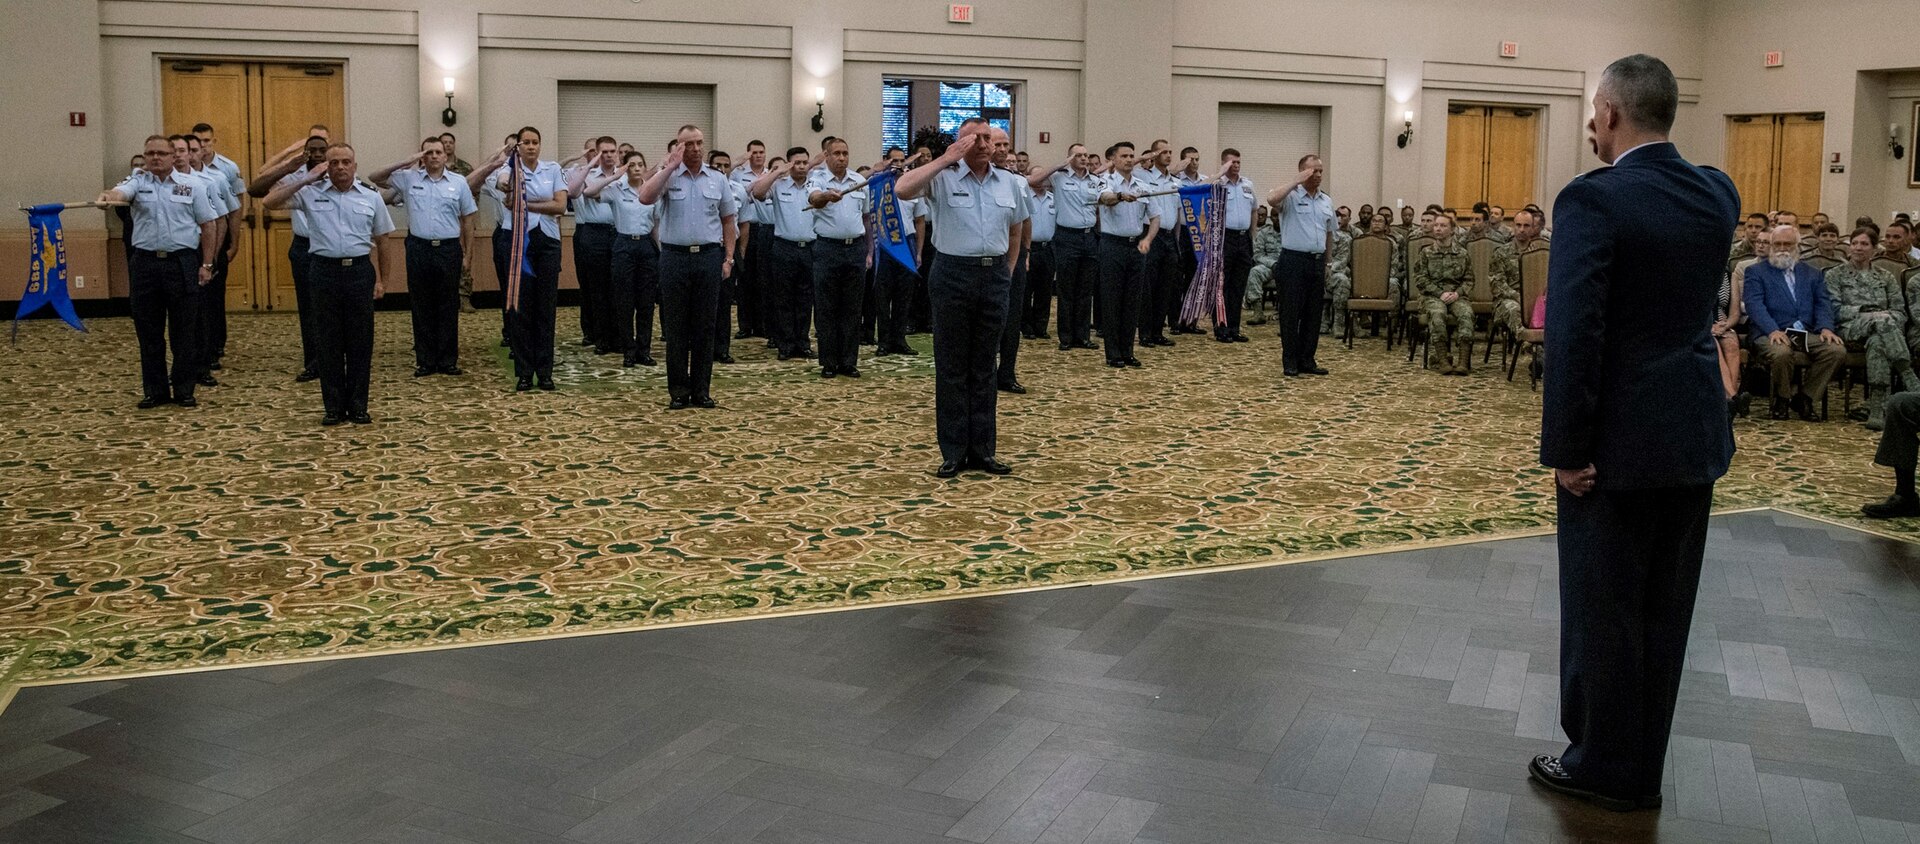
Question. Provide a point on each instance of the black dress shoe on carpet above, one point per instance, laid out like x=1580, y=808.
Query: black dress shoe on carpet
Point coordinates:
x=305, y=376
x=679, y=403
x=1317, y=369
x=452, y=370
x=206, y=381
x=784, y=356
x=151, y=402
x=947, y=469
x=1780, y=411
x=741, y=335
x=422, y=371
x=523, y=385
x=906, y=350
x=504, y=343
x=1117, y=364
x=1241, y=338
x=1089, y=344
x=1546, y=771
x=630, y=362
x=1222, y=338
x=992, y=466
x=1742, y=404
x=705, y=402
x=331, y=420
x=850, y=373
x=547, y=384
x=880, y=353
x=1133, y=362
x=646, y=360
x=1290, y=373
x=215, y=366
x=804, y=353
x=605, y=350
x=1066, y=347
x=186, y=401
x=723, y=359
x=1896, y=506
x=1013, y=387
x=1802, y=406
x=360, y=418
x=827, y=373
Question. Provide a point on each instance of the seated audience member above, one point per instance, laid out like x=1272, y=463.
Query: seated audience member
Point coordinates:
x=1871, y=313
x=1786, y=301
x=1899, y=447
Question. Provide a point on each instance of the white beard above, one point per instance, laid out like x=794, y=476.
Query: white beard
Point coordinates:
x=1781, y=262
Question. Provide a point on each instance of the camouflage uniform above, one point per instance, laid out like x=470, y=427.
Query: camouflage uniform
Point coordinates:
x=1266, y=250
x=461, y=167
x=1868, y=309
x=1443, y=268
x=1339, y=282
x=1503, y=277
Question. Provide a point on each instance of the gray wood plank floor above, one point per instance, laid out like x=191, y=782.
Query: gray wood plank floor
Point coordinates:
x=1386, y=698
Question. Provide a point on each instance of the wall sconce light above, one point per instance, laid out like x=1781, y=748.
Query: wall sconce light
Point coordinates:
x=1893, y=142
x=1407, y=135
x=447, y=117
x=819, y=109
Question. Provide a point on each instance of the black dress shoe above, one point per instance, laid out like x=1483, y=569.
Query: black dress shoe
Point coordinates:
x=504, y=343
x=151, y=402
x=805, y=352
x=1546, y=771
x=332, y=419
x=1896, y=506
x=1290, y=373
x=523, y=385
x=850, y=373
x=646, y=360
x=826, y=372
x=1117, y=364
x=630, y=362
x=452, y=370
x=1802, y=405
x=359, y=417
x=1742, y=404
x=947, y=469
x=215, y=366
x=585, y=341
x=1040, y=335
x=880, y=353
x=305, y=376
x=1317, y=369
x=422, y=371
x=906, y=350
x=741, y=335
x=1222, y=338
x=1133, y=362
x=706, y=402
x=1013, y=387
x=605, y=350
x=1066, y=347
x=723, y=359
x=547, y=384
x=1779, y=410
x=679, y=403
x=207, y=381
x=1086, y=344
x=992, y=466
x=1241, y=338
x=784, y=356
x=186, y=401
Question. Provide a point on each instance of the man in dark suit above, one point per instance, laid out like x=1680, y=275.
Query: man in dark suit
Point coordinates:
x=1786, y=300
x=1635, y=428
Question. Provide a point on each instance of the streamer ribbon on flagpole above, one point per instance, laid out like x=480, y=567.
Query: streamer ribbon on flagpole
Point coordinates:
x=1200, y=207
x=890, y=224
x=518, y=262
x=46, y=268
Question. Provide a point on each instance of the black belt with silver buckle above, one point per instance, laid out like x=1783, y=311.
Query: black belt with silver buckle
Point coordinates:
x=975, y=260
x=797, y=244
x=841, y=241
x=1307, y=254
x=434, y=242
x=1129, y=238
x=579, y=225
x=647, y=236
x=162, y=254
x=345, y=262
x=693, y=249
x=1074, y=229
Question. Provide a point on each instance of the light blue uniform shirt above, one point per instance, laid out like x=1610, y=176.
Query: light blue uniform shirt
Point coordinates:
x=167, y=211
x=1126, y=219
x=749, y=210
x=1074, y=198
x=231, y=172
x=1240, y=204
x=1167, y=207
x=299, y=218
x=693, y=205
x=792, y=217
x=1305, y=221
x=630, y=216
x=541, y=184
x=344, y=223
x=219, y=190
x=587, y=209
x=843, y=220
x=434, y=206
x=971, y=214
x=1042, y=215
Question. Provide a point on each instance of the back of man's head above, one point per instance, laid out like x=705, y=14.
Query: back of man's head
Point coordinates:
x=1644, y=90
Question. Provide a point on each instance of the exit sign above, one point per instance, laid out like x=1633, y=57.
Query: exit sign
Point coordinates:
x=1509, y=49
x=960, y=13
x=1774, y=58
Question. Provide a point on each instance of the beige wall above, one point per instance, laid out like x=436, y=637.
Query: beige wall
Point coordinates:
x=1098, y=69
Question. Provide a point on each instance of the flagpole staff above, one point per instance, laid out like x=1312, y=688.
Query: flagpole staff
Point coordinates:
x=65, y=205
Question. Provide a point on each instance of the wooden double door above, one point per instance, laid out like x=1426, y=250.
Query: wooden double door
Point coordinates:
x=1492, y=156
x=1774, y=161
x=256, y=109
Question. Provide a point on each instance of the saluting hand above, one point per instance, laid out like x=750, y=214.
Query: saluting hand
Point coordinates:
x=1577, y=482
x=959, y=149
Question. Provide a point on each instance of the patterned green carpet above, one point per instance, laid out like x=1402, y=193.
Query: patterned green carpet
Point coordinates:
x=239, y=532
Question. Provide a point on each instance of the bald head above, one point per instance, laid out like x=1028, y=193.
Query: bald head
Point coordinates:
x=1001, y=144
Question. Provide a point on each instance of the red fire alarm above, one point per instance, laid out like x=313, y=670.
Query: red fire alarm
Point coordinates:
x=1046, y=137
x=76, y=118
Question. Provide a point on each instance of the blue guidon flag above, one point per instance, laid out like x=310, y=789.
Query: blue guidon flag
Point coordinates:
x=1207, y=229
x=890, y=226
x=46, y=269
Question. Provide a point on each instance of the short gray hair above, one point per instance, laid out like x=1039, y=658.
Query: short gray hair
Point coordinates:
x=1644, y=90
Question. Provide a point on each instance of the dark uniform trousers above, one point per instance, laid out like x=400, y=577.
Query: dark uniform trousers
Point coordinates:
x=723, y=312
x=969, y=303
x=502, y=248
x=1629, y=567
x=893, y=294
x=746, y=274
x=1899, y=443
x=593, y=269
x=1189, y=267
x=1236, y=258
x=343, y=294
x=1161, y=273
x=839, y=273
x=689, y=291
x=1076, y=275
x=920, y=309
x=792, y=294
x=433, y=289
x=303, y=300
x=869, y=314
x=1039, y=304
x=760, y=255
x=164, y=291
x=1123, y=286
x=213, y=311
x=1010, y=333
x=530, y=329
x=636, y=287
x=1303, y=286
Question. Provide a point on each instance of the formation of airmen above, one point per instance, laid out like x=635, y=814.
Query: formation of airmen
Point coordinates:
x=782, y=248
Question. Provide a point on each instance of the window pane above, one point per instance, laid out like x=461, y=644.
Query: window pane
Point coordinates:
x=999, y=96
x=894, y=92
x=951, y=118
x=895, y=127
x=960, y=95
x=1003, y=125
